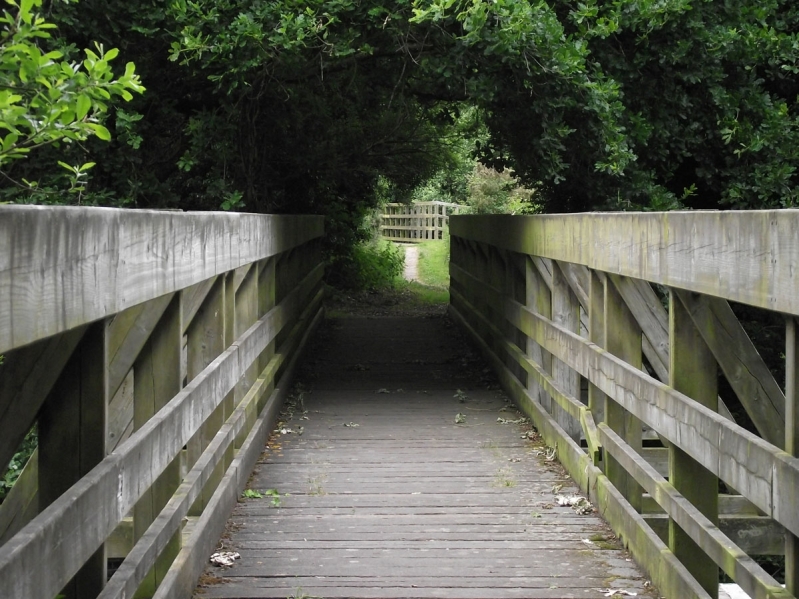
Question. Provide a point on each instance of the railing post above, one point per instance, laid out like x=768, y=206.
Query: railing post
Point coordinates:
x=792, y=442
x=566, y=313
x=692, y=371
x=266, y=301
x=206, y=340
x=156, y=380
x=623, y=338
x=72, y=439
x=539, y=300
x=596, y=334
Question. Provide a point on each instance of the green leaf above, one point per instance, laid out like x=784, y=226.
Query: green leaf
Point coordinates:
x=84, y=105
x=100, y=131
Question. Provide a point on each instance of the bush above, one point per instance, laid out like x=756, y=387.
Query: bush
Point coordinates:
x=370, y=265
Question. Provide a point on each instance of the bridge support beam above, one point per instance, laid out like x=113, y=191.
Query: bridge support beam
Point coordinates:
x=72, y=437
x=692, y=371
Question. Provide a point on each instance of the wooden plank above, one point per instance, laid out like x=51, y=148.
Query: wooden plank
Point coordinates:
x=670, y=576
x=26, y=377
x=653, y=319
x=745, y=462
x=737, y=357
x=92, y=508
x=22, y=502
x=72, y=436
x=182, y=577
x=63, y=267
x=566, y=313
x=754, y=535
x=127, y=335
x=742, y=256
x=596, y=334
x=731, y=558
x=792, y=442
x=157, y=380
x=693, y=371
x=539, y=298
x=622, y=339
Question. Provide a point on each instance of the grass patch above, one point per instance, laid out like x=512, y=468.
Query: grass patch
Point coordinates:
x=426, y=294
x=434, y=263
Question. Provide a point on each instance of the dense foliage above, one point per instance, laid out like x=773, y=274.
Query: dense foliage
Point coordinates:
x=288, y=106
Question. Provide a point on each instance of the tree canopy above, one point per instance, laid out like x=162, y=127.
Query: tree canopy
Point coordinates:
x=302, y=106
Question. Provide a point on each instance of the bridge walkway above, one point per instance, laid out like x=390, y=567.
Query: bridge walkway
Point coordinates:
x=384, y=494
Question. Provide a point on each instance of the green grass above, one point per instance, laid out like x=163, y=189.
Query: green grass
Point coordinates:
x=434, y=263
x=426, y=294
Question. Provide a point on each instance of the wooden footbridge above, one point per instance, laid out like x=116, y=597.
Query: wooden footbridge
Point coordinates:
x=153, y=352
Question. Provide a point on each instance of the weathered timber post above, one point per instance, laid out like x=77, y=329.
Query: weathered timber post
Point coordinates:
x=515, y=282
x=792, y=442
x=72, y=438
x=566, y=313
x=539, y=300
x=266, y=301
x=623, y=338
x=246, y=313
x=692, y=371
x=156, y=380
x=596, y=334
x=206, y=340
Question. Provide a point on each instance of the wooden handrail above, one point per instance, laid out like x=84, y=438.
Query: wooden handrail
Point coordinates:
x=544, y=293
x=206, y=315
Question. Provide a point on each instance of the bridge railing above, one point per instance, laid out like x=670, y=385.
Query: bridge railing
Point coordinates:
x=420, y=221
x=151, y=350
x=610, y=331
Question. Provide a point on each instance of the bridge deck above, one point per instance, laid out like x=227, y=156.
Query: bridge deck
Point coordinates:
x=384, y=495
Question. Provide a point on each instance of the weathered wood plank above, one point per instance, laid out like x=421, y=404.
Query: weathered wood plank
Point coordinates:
x=731, y=558
x=737, y=357
x=742, y=256
x=666, y=571
x=181, y=578
x=26, y=377
x=565, y=312
x=623, y=339
x=91, y=508
x=792, y=442
x=157, y=380
x=692, y=371
x=62, y=267
x=72, y=437
x=747, y=463
x=22, y=503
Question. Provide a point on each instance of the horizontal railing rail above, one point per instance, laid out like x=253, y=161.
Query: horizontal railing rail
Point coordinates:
x=151, y=350
x=610, y=330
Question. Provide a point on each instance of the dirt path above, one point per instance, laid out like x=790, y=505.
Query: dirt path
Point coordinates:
x=411, y=271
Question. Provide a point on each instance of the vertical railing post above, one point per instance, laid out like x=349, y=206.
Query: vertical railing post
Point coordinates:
x=792, y=442
x=596, y=334
x=566, y=313
x=623, y=338
x=266, y=301
x=72, y=439
x=692, y=371
x=156, y=380
x=539, y=300
x=206, y=340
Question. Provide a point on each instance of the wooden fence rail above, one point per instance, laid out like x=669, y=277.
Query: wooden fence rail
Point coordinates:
x=151, y=350
x=570, y=309
x=420, y=221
